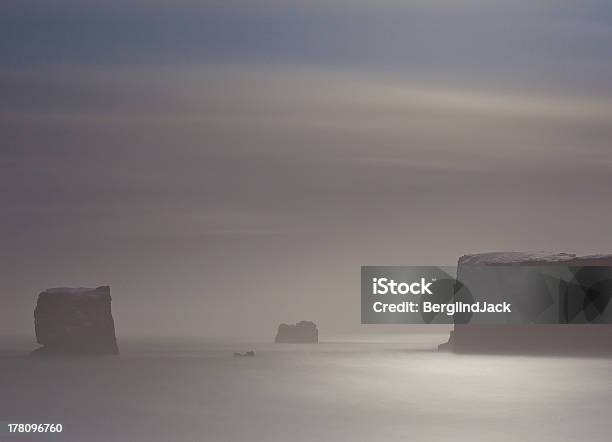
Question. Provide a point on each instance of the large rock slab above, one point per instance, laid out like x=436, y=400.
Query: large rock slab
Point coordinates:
x=561, y=338
x=75, y=321
x=304, y=332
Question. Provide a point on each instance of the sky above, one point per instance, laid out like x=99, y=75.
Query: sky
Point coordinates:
x=229, y=165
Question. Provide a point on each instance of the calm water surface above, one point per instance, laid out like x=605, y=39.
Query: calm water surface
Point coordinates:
x=192, y=390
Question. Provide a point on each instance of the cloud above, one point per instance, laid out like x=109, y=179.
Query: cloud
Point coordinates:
x=163, y=151
x=300, y=98
x=498, y=43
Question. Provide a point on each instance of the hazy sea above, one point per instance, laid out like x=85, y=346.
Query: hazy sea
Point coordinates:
x=345, y=389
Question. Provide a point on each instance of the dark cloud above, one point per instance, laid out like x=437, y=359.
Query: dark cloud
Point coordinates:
x=501, y=42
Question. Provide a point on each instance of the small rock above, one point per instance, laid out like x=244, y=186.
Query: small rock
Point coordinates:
x=304, y=332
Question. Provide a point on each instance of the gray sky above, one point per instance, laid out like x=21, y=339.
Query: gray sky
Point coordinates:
x=229, y=165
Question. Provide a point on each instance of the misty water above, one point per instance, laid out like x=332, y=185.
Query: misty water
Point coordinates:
x=346, y=389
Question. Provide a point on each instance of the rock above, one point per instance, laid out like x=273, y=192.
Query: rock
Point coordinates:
x=249, y=353
x=75, y=321
x=304, y=332
x=560, y=338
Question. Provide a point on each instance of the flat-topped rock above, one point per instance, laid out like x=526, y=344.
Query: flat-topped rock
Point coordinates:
x=75, y=321
x=304, y=332
x=560, y=338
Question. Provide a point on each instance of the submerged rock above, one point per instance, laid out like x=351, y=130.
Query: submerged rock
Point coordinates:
x=75, y=321
x=249, y=353
x=531, y=338
x=304, y=332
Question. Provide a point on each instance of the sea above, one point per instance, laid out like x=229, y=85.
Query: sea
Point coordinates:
x=346, y=388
